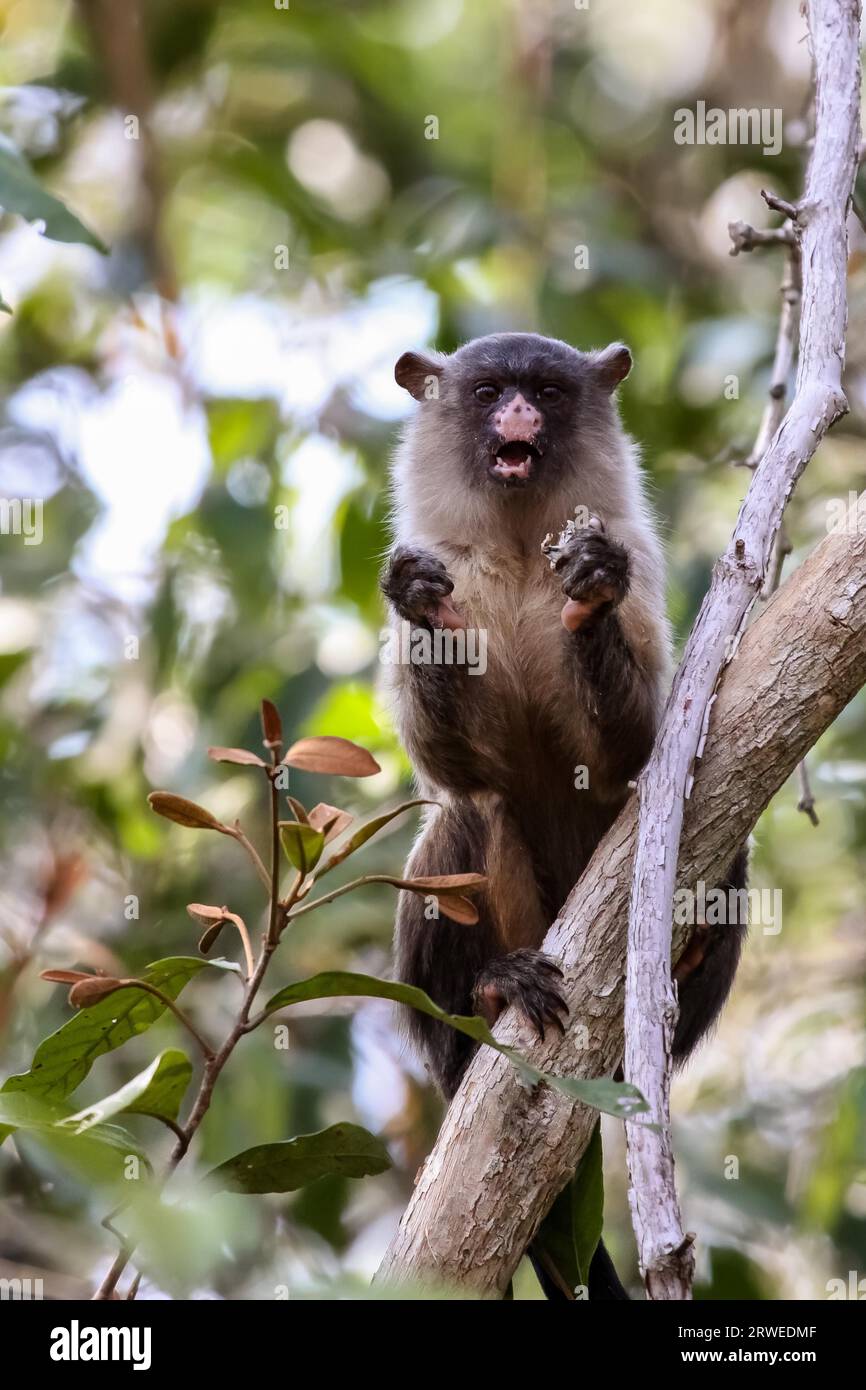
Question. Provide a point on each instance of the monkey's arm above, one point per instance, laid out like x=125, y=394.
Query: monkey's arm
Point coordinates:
x=620, y=696
x=608, y=609
x=439, y=705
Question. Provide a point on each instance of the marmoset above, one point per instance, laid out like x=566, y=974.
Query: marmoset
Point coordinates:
x=529, y=763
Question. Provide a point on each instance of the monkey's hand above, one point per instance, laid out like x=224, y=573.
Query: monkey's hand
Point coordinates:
x=419, y=587
x=594, y=571
x=527, y=979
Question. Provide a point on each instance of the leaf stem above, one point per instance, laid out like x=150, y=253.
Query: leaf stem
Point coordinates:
x=176, y=1010
x=237, y=834
x=337, y=893
x=275, y=905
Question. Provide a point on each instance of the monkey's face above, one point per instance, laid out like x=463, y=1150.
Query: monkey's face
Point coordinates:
x=516, y=405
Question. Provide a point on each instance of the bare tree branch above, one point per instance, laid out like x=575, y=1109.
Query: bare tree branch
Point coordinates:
x=820, y=227
x=504, y=1152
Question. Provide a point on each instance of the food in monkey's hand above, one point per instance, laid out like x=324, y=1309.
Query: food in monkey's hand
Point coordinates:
x=593, y=568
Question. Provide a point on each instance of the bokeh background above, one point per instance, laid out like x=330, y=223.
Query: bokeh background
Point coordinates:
x=280, y=230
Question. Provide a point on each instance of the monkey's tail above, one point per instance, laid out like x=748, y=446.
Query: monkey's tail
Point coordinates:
x=604, y=1282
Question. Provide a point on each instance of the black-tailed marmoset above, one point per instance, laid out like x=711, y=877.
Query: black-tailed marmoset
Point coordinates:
x=530, y=761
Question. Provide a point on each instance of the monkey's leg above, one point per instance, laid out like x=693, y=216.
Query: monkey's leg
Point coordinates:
x=706, y=969
x=527, y=979
x=470, y=968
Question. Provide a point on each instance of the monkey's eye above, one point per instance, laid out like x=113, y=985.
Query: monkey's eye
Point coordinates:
x=551, y=392
x=488, y=393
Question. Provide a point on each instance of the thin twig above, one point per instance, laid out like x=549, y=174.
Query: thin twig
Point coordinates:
x=745, y=237
x=783, y=356
x=778, y=204
x=774, y=410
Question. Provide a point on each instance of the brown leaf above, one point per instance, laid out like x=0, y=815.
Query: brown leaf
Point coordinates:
x=91, y=990
x=203, y=912
x=457, y=908
x=272, y=727
x=299, y=809
x=328, y=754
x=440, y=883
x=236, y=755
x=64, y=977
x=184, y=812
x=444, y=888
x=209, y=937
x=330, y=820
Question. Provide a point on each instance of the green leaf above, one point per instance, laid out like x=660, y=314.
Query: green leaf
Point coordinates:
x=366, y=832
x=21, y=192
x=617, y=1098
x=342, y=1150
x=4, y=307
x=99, y=1156
x=570, y=1232
x=587, y=1205
x=157, y=1091
x=62, y=1061
x=303, y=845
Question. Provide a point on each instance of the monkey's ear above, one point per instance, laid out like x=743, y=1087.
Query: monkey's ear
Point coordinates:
x=610, y=366
x=419, y=375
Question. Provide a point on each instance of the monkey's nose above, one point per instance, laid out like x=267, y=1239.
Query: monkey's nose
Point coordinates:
x=518, y=420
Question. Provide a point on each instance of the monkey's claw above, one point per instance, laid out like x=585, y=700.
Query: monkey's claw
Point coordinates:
x=530, y=981
x=419, y=586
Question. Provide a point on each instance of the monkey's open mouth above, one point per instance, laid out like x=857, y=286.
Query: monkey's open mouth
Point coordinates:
x=513, y=462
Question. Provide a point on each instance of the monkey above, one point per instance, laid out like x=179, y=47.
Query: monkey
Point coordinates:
x=529, y=763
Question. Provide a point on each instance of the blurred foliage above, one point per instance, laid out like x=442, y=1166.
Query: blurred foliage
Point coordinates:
x=207, y=414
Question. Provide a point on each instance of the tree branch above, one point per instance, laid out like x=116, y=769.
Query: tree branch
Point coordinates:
x=503, y=1152
x=820, y=227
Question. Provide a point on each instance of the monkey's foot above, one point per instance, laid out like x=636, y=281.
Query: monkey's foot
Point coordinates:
x=419, y=587
x=594, y=571
x=527, y=979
